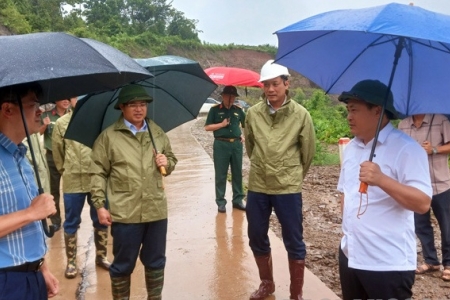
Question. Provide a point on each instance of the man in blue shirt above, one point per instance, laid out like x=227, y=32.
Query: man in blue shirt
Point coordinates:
x=23, y=271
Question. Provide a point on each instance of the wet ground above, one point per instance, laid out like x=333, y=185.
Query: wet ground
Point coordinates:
x=207, y=253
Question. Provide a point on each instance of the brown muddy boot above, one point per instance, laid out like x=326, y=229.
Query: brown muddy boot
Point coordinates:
x=71, y=253
x=154, y=281
x=297, y=271
x=267, y=285
x=120, y=288
x=101, y=242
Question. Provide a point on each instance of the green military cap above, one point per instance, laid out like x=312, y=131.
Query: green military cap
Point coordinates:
x=132, y=92
x=371, y=91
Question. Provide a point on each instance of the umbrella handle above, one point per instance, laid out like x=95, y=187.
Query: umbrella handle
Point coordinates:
x=48, y=230
x=162, y=170
x=363, y=187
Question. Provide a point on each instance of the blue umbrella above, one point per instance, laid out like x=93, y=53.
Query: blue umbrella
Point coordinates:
x=402, y=45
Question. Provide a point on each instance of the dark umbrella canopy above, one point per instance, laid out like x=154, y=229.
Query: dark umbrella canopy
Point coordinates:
x=65, y=65
x=179, y=89
x=405, y=43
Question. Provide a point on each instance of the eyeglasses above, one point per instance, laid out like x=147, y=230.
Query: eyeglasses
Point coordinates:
x=34, y=105
x=137, y=105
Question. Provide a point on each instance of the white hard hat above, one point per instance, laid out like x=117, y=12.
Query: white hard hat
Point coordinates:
x=271, y=70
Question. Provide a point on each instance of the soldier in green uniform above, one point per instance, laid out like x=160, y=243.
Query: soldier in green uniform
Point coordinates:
x=226, y=120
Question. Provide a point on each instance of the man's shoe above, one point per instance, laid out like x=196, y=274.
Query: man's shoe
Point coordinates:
x=239, y=206
x=221, y=209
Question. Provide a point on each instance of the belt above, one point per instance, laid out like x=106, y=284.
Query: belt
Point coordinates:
x=231, y=140
x=26, y=267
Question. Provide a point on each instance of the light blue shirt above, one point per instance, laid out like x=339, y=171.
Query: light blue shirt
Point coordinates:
x=133, y=128
x=17, y=189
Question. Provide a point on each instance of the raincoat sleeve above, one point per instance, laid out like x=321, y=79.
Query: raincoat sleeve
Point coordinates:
x=248, y=134
x=307, y=141
x=58, y=147
x=100, y=169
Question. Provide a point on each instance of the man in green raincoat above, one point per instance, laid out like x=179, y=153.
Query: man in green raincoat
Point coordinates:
x=73, y=159
x=280, y=142
x=126, y=171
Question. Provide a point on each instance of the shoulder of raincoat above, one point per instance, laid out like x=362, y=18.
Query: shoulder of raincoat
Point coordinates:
x=124, y=171
x=72, y=159
x=41, y=161
x=281, y=147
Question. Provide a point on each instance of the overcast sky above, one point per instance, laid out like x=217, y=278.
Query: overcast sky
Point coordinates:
x=253, y=22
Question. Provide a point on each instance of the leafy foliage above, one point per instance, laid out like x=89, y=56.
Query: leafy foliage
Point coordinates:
x=329, y=119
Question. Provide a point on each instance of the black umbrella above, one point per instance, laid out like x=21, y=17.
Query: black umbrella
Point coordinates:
x=65, y=66
x=179, y=89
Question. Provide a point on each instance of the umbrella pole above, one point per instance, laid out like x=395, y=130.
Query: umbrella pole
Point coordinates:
x=398, y=52
x=162, y=170
x=48, y=230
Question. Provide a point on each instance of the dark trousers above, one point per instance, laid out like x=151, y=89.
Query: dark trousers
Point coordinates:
x=55, y=179
x=73, y=205
x=146, y=240
x=362, y=284
x=440, y=204
x=228, y=154
x=22, y=286
x=288, y=208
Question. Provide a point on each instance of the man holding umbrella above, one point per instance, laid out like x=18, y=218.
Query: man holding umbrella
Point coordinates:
x=24, y=274
x=128, y=158
x=377, y=255
x=226, y=120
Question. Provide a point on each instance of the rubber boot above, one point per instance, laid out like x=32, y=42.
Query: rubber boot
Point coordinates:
x=120, y=288
x=297, y=271
x=71, y=253
x=101, y=242
x=267, y=285
x=154, y=281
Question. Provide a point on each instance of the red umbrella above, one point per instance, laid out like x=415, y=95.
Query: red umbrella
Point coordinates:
x=233, y=76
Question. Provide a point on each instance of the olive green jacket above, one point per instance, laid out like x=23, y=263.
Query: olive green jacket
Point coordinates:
x=124, y=171
x=41, y=161
x=280, y=146
x=72, y=159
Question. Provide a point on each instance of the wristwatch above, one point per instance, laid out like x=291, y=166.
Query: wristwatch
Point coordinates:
x=434, y=151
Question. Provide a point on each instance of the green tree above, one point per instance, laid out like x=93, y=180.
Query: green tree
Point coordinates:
x=180, y=26
x=11, y=18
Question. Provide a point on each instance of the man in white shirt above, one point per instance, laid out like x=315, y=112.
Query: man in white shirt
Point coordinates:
x=377, y=256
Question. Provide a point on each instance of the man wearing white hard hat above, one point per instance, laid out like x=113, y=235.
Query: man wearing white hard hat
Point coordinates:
x=280, y=142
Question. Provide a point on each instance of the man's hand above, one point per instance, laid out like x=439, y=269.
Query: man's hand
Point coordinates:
x=370, y=173
x=46, y=121
x=427, y=147
x=104, y=217
x=161, y=160
x=50, y=281
x=225, y=122
x=42, y=206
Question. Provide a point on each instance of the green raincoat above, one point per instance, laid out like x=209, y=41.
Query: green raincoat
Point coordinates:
x=124, y=170
x=280, y=146
x=72, y=159
x=41, y=161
